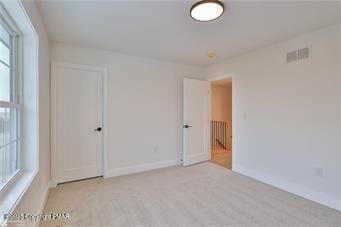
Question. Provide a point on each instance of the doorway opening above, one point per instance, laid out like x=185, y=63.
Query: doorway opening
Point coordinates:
x=221, y=122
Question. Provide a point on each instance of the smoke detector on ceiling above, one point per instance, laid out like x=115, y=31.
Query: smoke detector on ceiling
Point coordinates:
x=211, y=55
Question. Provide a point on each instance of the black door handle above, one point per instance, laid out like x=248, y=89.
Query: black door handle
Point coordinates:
x=187, y=126
x=98, y=129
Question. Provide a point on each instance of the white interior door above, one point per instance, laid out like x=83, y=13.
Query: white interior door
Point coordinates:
x=77, y=116
x=196, y=121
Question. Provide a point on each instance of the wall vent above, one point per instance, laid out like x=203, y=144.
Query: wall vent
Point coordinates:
x=303, y=53
x=298, y=55
x=292, y=56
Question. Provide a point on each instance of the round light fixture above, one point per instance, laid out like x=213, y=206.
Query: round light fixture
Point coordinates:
x=207, y=10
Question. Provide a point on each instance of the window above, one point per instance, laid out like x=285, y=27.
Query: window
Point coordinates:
x=10, y=105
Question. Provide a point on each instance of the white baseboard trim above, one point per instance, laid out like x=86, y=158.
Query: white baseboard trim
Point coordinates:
x=52, y=184
x=318, y=197
x=193, y=159
x=43, y=203
x=141, y=168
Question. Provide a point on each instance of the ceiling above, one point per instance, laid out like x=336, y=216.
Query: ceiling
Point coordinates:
x=164, y=29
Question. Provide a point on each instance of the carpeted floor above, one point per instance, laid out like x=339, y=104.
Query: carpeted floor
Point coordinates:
x=200, y=195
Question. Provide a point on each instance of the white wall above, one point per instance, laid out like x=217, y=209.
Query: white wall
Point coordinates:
x=286, y=115
x=144, y=107
x=34, y=196
x=221, y=103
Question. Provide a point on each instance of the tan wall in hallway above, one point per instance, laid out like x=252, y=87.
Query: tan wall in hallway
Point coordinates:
x=221, y=107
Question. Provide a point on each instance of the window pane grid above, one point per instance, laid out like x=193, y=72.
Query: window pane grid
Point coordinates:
x=4, y=35
x=5, y=53
x=9, y=158
x=4, y=43
x=5, y=83
x=9, y=141
x=4, y=63
x=10, y=106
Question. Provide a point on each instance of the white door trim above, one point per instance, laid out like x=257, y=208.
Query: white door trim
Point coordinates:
x=234, y=120
x=53, y=158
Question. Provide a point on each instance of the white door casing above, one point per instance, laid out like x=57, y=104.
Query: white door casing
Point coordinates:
x=77, y=110
x=196, y=117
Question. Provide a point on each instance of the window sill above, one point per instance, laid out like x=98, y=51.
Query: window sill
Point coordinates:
x=4, y=186
x=10, y=198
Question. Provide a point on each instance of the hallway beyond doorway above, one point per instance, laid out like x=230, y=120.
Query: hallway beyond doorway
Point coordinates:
x=222, y=157
x=221, y=122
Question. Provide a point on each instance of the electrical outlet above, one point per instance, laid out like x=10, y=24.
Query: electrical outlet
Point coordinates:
x=319, y=172
x=156, y=149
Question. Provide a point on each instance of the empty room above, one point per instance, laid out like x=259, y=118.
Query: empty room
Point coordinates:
x=170, y=113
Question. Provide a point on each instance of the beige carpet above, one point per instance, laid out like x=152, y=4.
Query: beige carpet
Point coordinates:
x=200, y=195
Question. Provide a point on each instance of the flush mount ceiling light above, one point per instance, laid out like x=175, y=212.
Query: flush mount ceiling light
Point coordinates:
x=207, y=10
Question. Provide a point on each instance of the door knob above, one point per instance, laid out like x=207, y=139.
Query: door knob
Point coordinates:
x=98, y=129
x=187, y=126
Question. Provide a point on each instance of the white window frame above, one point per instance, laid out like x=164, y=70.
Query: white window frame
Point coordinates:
x=16, y=102
x=28, y=69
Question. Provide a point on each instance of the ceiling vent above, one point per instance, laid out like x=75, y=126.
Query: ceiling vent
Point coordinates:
x=298, y=55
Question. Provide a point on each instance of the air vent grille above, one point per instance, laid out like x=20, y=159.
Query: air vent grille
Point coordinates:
x=303, y=53
x=298, y=55
x=291, y=56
